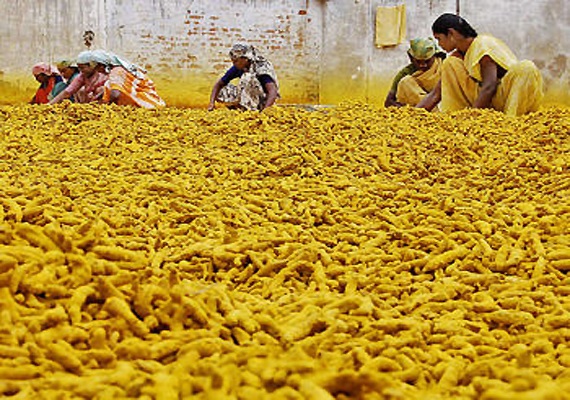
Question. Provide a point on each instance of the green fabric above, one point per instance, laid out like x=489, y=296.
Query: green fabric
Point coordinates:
x=423, y=48
x=407, y=70
x=57, y=89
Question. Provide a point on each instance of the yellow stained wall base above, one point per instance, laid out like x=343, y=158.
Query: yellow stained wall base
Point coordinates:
x=337, y=89
x=195, y=91
x=177, y=91
x=16, y=89
x=558, y=92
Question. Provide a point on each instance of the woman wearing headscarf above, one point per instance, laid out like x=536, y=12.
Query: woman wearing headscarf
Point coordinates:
x=69, y=71
x=127, y=83
x=90, y=81
x=257, y=88
x=51, y=83
x=413, y=82
x=482, y=72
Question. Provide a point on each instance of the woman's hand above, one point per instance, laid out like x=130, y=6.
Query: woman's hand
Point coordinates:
x=214, y=95
x=391, y=100
x=432, y=99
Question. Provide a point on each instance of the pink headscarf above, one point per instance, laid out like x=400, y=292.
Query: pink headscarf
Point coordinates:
x=44, y=68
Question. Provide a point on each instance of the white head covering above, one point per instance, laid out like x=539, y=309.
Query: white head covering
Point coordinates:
x=109, y=60
x=102, y=57
x=84, y=57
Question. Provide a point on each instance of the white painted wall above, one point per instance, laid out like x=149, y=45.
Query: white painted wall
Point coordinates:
x=323, y=50
x=351, y=64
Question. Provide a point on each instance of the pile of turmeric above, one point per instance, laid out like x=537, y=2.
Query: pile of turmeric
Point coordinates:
x=345, y=253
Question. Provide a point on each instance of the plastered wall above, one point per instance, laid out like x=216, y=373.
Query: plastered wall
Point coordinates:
x=323, y=50
x=352, y=66
x=538, y=30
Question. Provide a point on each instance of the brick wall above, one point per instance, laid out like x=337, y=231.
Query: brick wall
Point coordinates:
x=183, y=44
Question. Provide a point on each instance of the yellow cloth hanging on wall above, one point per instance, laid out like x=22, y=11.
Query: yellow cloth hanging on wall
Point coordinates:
x=390, y=25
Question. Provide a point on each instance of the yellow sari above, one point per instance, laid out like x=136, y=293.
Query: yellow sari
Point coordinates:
x=519, y=91
x=414, y=87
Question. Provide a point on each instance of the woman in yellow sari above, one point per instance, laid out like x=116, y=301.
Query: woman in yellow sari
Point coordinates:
x=419, y=77
x=482, y=72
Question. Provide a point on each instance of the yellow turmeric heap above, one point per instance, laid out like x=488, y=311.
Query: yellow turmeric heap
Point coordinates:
x=351, y=252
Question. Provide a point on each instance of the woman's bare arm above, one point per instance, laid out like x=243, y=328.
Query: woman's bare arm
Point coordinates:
x=432, y=99
x=489, y=73
x=63, y=95
x=215, y=91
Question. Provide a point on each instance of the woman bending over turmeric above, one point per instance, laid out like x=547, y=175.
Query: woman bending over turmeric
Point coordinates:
x=481, y=72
